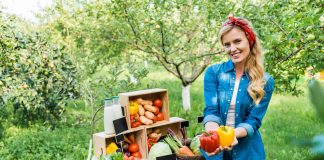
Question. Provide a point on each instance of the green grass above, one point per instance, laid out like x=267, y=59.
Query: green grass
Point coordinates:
x=288, y=118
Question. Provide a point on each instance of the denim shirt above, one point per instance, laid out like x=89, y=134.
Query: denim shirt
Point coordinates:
x=218, y=89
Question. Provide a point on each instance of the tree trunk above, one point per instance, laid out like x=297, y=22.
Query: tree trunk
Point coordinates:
x=186, y=97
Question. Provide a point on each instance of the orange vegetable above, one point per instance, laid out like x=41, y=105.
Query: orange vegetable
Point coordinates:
x=226, y=135
x=132, y=137
x=184, y=150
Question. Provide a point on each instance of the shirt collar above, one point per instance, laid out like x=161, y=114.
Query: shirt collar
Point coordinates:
x=229, y=66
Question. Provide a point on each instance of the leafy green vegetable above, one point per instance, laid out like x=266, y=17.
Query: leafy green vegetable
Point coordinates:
x=117, y=156
x=194, y=145
x=159, y=149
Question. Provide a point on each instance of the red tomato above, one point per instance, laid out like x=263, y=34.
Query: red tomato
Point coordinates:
x=133, y=147
x=157, y=110
x=158, y=102
x=154, y=119
x=137, y=155
x=160, y=117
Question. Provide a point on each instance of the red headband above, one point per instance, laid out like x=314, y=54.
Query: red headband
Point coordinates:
x=245, y=26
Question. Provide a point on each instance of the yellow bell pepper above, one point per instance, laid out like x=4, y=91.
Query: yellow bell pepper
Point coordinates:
x=111, y=148
x=133, y=107
x=226, y=135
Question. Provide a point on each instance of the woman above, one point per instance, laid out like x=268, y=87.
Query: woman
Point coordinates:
x=237, y=92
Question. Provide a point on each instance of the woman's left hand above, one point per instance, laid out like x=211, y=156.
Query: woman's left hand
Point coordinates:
x=235, y=142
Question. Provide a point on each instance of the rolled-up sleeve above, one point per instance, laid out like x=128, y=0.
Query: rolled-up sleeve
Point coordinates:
x=254, y=119
x=211, y=110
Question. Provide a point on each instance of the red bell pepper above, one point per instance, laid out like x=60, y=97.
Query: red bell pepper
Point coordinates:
x=209, y=141
x=151, y=142
x=135, y=121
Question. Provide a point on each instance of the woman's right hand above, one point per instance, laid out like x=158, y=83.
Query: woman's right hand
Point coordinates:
x=212, y=126
x=217, y=151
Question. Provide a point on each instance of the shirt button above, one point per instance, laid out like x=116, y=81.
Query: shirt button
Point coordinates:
x=225, y=113
x=231, y=88
x=228, y=100
x=239, y=90
x=238, y=101
x=233, y=78
x=242, y=78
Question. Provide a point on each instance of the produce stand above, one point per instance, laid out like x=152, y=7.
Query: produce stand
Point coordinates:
x=141, y=133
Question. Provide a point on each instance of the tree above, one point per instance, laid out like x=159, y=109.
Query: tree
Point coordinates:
x=87, y=30
x=292, y=36
x=168, y=30
x=36, y=76
x=181, y=35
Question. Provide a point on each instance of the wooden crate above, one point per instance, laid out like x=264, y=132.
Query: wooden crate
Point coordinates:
x=149, y=94
x=101, y=140
x=174, y=124
x=139, y=134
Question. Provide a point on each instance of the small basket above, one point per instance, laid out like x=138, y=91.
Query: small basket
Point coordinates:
x=183, y=157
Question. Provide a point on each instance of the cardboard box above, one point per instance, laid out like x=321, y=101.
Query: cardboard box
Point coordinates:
x=149, y=94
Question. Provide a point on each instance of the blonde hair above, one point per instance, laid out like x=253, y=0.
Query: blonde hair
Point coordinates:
x=253, y=65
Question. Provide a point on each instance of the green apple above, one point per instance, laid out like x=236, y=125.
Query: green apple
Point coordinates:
x=310, y=37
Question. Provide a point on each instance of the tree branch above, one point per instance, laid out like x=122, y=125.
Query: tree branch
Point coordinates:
x=274, y=22
x=166, y=67
x=291, y=54
x=162, y=39
x=201, y=69
x=177, y=66
x=130, y=24
x=202, y=56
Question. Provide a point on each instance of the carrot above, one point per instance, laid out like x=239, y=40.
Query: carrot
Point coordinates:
x=132, y=137
x=127, y=140
x=181, y=149
x=184, y=150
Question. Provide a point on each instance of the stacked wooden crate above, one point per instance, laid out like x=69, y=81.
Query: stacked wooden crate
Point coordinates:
x=101, y=140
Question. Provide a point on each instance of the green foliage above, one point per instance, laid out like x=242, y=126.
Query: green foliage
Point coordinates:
x=36, y=76
x=168, y=32
x=105, y=65
x=316, y=96
x=61, y=143
x=292, y=36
